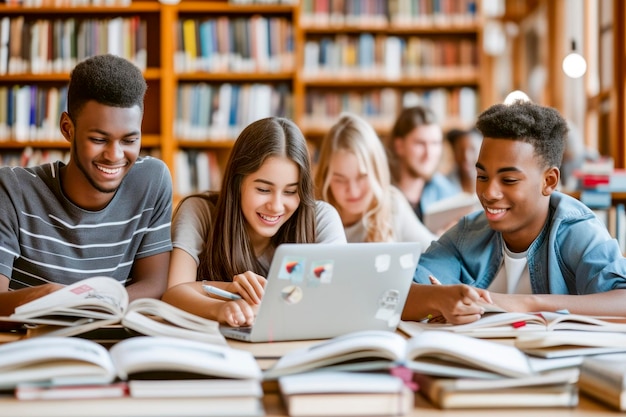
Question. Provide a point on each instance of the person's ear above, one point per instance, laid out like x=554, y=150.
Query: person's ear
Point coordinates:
x=550, y=180
x=67, y=127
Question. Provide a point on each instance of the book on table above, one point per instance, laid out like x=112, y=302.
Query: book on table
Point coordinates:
x=97, y=302
x=570, y=343
x=345, y=394
x=501, y=324
x=147, y=371
x=551, y=389
x=430, y=352
x=603, y=377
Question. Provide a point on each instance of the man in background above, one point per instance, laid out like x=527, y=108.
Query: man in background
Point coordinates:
x=416, y=148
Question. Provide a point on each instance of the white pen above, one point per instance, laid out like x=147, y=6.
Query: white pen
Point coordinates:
x=220, y=292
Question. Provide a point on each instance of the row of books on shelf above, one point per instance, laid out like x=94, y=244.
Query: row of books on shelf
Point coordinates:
x=387, y=12
x=44, y=46
x=380, y=107
x=197, y=171
x=218, y=112
x=238, y=44
x=31, y=112
x=30, y=157
x=68, y=3
x=286, y=2
x=392, y=57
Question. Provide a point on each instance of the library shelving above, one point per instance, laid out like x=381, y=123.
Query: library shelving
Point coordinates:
x=374, y=57
x=213, y=67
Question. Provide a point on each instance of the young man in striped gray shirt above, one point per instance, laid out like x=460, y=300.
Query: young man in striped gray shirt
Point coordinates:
x=106, y=212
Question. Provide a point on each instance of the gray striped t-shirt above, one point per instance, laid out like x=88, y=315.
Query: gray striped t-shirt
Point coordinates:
x=46, y=238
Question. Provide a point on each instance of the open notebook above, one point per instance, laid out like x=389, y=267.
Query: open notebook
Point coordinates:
x=318, y=291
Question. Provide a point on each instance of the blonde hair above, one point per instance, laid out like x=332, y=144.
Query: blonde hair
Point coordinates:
x=353, y=134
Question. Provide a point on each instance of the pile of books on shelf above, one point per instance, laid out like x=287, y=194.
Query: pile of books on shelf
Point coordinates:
x=597, y=180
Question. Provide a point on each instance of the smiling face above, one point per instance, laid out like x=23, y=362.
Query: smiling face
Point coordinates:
x=269, y=197
x=105, y=143
x=350, y=186
x=420, y=150
x=514, y=188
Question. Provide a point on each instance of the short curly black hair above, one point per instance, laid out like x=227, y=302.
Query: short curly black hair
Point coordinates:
x=107, y=79
x=543, y=127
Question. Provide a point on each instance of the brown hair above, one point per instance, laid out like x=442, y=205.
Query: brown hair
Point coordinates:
x=408, y=119
x=228, y=251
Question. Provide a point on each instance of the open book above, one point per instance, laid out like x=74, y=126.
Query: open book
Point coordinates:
x=511, y=324
x=430, y=352
x=77, y=361
x=101, y=301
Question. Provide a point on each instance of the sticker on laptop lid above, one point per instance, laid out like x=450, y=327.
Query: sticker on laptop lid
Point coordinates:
x=382, y=262
x=407, y=261
x=291, y=294
x=388, y=305
x=321, y=272
x=292, y=268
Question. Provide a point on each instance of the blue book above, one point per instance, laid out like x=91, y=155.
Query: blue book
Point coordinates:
x=206, y=42
x=596, y=199
x=366, y=51
x=234, y=105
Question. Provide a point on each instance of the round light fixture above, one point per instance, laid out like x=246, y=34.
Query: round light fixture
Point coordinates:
x=574, y=65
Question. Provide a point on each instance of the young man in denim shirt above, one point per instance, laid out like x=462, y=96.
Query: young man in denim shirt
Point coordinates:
x=532, y=248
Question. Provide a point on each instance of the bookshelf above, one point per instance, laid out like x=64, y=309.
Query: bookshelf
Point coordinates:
x=373, y=57
x=212, y=67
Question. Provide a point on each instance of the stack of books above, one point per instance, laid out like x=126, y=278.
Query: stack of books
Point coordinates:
x=451, y=370
x=140, y=376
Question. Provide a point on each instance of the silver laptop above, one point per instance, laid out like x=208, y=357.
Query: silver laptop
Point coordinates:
x=319, y=291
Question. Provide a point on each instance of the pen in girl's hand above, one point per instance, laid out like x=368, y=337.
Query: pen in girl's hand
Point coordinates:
x=220, y=292
x=433, y=280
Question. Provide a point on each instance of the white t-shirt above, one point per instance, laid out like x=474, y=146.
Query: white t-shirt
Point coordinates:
x=406, y=226
x=513, y=276
x=195, y=216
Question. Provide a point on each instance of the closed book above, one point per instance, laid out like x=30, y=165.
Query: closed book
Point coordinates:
x=133, y=407
x=603, y=377
x=345, y=394
x=568, y=343
x=536, y=392
x=45, y=391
